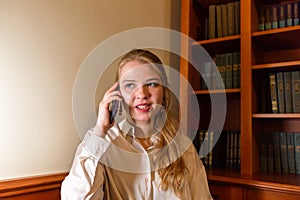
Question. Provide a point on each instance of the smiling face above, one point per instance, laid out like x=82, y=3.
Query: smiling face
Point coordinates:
x=142, y=90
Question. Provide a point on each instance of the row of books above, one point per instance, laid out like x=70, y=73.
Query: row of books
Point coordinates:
x=225, y=152
x=280, y=152
x=228, y=65
x=223, y=20
x=279, y=16
x=285, y=91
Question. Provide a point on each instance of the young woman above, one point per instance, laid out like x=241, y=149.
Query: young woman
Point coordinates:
x=144, y=156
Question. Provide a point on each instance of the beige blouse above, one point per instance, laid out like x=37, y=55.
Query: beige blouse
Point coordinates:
x=116, y=166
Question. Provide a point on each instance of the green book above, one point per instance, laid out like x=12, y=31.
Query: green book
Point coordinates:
x=237, y=17
x=282, y=16
x=263, y=151
x=219, y=21
x=289, y=14
x=230, y=18
x=268, y=18
x=228, y=71
x=277, y=159
x=296, y=13
x=261, y=20
x=224, y=20
x=280, y=92
x=274, y=17
x=297, y=152
x=296, y=91
x=212, y=21
x=273, y=92
x=223, y=69
x=283, y=152
x=236, y=69
x=287, y=92
x=291, y=152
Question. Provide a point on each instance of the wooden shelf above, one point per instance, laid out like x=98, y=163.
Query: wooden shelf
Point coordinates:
x=277, y=65
x=277, y=115
x=273, y=181
x=237, y=90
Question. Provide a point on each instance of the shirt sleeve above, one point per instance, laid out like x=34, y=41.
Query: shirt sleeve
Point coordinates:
x=86, y=177
x=199, y=185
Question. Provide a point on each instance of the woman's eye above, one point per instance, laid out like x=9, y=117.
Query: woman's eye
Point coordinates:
x=152, y=84
x=129, y=85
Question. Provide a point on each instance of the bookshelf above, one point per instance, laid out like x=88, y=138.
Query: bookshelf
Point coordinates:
x=261, y=52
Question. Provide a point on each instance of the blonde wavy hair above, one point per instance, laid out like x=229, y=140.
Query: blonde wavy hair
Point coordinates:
x=175, y=175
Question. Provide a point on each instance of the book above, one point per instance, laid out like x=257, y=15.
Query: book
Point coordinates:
x=236, y=69
x=261, y=20
x=276, y=143
x=283, y=152
x=212, y=21
x=270, y=153
x=297, y=152
x=296, y=91
x=291, y=152
x=280, y=92
x=287, y=92
x=268, y=18
x=274, y=17
x=282, y=15
x=296, y=13
x=219, y=21
x=228, y=71
x=230, y=18
x=224, y=20
x=289, y=14
x=223, y=68
x=263, y=153
x=273, y=91
x=237, y=17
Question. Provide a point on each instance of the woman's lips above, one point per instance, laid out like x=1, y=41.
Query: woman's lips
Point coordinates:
x=143, y=107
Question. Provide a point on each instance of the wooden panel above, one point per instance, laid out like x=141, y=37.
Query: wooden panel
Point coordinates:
x=38, y=187
x=250, y=194
x=222, y=192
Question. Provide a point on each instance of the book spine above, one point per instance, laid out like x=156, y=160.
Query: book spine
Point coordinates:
x=280, y=92
x=236, y=69
x=228, y=149
x=261, y=20
x=296, y=13
x=297, y=152
x=212, y=21
x=270, y=153
x=282, y=16
x=224, y=20
x=273, y=91
x=283, y=153
x=287, y=92
x=296, y=91
x=289, y=14
x=228, y=70
x=276, y=143
x=274, y=17
x=263, y=153
x=223, y=69
x=237, y=17
x=219, y=21
x=230, y=14
x=268, y=18
x=291, y=152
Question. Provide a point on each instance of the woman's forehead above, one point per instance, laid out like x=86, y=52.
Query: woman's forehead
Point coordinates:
x=138, y=71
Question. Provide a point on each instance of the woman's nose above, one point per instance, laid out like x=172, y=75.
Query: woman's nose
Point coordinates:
x=142, y=92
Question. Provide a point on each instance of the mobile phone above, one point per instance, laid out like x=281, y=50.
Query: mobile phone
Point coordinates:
x=113, y=109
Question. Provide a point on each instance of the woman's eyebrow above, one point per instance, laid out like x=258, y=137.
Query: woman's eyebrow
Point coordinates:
x=153, y=79
x=128, y=80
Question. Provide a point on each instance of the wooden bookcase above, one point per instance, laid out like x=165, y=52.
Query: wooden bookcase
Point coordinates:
x=261, y=52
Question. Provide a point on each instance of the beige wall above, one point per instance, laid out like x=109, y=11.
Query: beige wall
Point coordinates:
x=42, y=45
